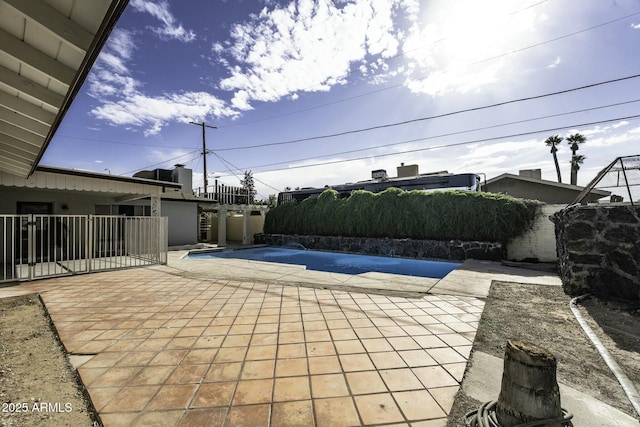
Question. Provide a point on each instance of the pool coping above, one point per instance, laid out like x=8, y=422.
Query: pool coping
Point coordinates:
x=471, y=278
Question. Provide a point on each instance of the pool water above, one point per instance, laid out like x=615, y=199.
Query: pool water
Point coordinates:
x=336, y=262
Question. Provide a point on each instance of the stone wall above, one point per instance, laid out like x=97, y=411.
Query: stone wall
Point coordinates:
x=599, y=250
x=453, y=250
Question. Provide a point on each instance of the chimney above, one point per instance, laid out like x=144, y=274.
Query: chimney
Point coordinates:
x=183, y=176
x=407, y=171
x=531, y=173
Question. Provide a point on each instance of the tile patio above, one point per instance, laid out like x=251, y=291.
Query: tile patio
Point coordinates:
x=171, y=348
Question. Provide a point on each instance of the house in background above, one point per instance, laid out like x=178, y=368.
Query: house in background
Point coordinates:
x=220, y=214
x=528, y=184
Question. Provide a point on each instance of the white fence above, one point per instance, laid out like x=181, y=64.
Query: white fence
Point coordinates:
x=38, y=246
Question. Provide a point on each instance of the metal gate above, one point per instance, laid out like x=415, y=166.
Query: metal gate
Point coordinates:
x=38, y=246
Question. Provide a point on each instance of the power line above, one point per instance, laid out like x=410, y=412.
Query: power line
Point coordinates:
x=391, y=144
x=438, y=116
x=238, y=169
x=373, y=147
x=516, y=135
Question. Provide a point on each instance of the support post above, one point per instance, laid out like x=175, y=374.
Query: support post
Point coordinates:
x=222, y=227
x=155, y=234
x=246, y=227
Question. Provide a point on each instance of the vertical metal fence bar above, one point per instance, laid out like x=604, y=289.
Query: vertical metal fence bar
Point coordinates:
x=6, y=267
x=90, y=242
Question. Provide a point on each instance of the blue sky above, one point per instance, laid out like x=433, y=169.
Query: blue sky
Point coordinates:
x=267, y=73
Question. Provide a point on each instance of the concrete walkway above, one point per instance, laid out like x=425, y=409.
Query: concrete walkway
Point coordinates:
x=240, y=343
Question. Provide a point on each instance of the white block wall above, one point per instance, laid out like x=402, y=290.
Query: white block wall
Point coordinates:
x=540, y=241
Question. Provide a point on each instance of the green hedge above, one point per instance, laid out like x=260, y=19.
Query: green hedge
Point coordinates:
x=395, y=213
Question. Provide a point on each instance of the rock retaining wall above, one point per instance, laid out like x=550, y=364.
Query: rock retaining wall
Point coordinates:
x=599, y=250
x=454, y=250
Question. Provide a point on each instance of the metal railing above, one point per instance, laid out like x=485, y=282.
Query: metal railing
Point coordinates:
x=621, y=178
x=38, y=246
x=225, y=194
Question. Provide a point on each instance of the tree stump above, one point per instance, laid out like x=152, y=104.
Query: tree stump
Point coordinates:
x=529, y=390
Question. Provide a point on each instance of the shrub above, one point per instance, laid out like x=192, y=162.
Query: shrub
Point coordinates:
x=395, y=213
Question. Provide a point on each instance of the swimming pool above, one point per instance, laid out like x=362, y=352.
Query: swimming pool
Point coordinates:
x=335, y=262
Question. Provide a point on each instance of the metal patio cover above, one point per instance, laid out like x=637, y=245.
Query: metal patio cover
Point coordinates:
x=46, y=51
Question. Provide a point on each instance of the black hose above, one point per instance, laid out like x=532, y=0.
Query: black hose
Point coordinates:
x=485, y=416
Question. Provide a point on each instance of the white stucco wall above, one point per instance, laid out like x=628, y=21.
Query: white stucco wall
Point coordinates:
x=538, y=243
x=183, y=222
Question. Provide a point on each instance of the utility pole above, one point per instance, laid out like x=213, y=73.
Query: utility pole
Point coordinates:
x=204, y=152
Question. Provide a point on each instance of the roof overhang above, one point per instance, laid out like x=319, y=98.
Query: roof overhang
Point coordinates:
x=544, y=182
x=70, y=180
x=46, y=52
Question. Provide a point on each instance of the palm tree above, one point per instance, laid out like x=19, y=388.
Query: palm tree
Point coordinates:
x=576, y=161
x=574, y=142
x=553, y=142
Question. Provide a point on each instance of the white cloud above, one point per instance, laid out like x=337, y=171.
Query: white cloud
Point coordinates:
x=555, y=62
x=160, y=10
x=465, y=45
x=121, y=97
x=635, y=26
x=306, y=46
x=154, y=112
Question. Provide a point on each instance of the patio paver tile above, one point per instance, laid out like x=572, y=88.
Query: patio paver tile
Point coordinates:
x=130, y=399
x=150, y=375
x=257, y=369
x=418, y=405
x=365, y=382
x=356, y=362
x=172, y=396
x=116, y=377
x=434, y=376
x=248, y=416
x=199, y=355
x=331, y=385
x=324, y=365
x=253, y=391
x=187, y=374
x=387, y=360
x=291, y=388
x=224, y=372
x=292, y=414
x=291, y=367
x=444, y=396
x=378, y=409
x=336, y=412
x=400, y=379
x=213, y=395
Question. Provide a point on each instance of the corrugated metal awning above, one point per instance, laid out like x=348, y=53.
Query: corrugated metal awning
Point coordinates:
x=46, y=51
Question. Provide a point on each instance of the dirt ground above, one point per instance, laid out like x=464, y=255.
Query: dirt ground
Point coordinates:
x=38, y=387
x=541, y=315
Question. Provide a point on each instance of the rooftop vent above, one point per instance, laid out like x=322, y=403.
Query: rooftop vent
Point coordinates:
x=379, y=174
